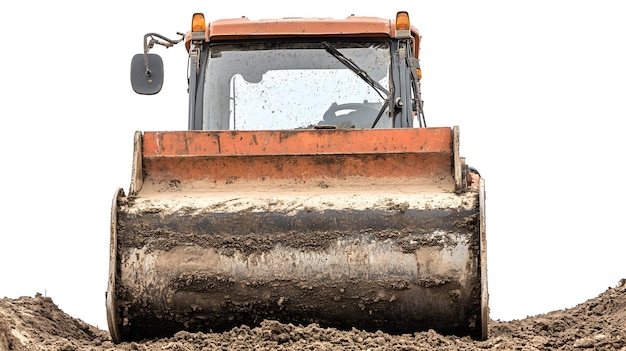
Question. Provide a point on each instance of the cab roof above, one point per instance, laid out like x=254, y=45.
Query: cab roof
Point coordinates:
x=352, y=26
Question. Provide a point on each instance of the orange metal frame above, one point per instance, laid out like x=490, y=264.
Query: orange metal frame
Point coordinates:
x=298, y=154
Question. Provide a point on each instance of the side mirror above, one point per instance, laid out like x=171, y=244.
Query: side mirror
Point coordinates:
x=146, y=74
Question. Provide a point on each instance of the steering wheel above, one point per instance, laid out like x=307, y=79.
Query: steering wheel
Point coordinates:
x=362, y=115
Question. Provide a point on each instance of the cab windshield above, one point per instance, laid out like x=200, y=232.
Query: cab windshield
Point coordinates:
x=268, y=86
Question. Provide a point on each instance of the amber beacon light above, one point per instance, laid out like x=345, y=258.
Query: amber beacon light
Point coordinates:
x=198, y=26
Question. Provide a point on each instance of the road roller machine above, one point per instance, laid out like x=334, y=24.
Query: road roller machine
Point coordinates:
x=307, y=189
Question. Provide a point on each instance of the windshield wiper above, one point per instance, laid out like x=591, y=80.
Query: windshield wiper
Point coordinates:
x=384, y=93
x=356, y=69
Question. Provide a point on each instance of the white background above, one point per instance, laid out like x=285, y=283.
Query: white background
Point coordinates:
x=537, y=88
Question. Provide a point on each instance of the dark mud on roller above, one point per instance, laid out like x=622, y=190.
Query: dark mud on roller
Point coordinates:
x=372, y=262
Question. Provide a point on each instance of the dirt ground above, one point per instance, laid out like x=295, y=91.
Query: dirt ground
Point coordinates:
x=36, y=323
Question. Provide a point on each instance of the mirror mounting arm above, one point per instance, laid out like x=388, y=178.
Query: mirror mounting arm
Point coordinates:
x=149, y=44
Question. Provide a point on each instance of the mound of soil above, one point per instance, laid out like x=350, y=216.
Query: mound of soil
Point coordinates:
x=29, y=323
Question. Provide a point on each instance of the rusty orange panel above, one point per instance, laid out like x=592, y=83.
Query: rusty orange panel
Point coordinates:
x=299, y=167
x=297, y=142
x=225, y=155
